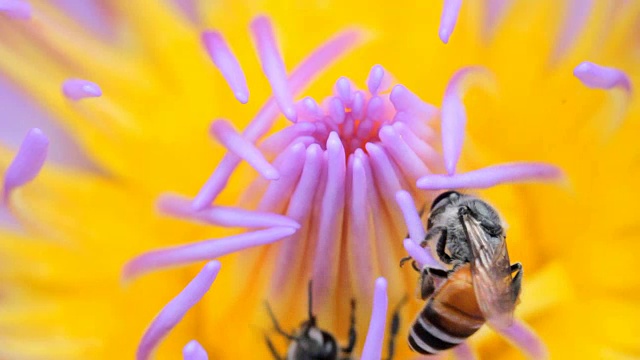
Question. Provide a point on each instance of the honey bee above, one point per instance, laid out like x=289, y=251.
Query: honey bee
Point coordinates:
x=479, y=286
x=310, y=342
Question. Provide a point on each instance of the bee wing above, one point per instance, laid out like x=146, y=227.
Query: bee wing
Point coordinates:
x=491, y=274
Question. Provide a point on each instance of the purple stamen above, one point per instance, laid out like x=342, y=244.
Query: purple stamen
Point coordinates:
x=336, y=110
x=463, y=352
x=203, y=250
x=325, y=267
x=357, y=106
x=27, y=163
x=525, y=339
x=411, y=216
x=601, y=77
x=283, y=138
x=374, y=81
x=359, y=240
x=425, y=152
x=273, y=65
x=449, y=18
x=343, y=89
x=194, y=351
x=180, y=207
x=454, y=118
x=241, y=147
x=492, y=176
x=421, y=255
x=175, y=310
x=404, y=100
x=375, y=335
x=16, y=9
x=375, y=109
x=409, y=162
x=225, y=60
x=311, y=108
x=77, y=89
x=290, y=164
x=322, y=57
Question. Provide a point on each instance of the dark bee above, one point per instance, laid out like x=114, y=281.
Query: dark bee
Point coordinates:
x=478, y=288
x=310, y=342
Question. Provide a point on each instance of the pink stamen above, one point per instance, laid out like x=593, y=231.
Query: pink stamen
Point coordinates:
x=299, y=210
x=404, y=100
x=78, y=89
x=321, y=58
x=454, y=118
x=403, y=155
x=421, y=255
x=601, y=77
x=16, y=9
x=241, y=147
x=273, y=65
x=357, y=106
x=290, y=164
x=375, y=335
x=449, y=18
x=311, y=108
x=336, y=110
x=375, y=109
x=360, y=238
x=522, y=337
x=343, y=89
x=375, y=79
x=194, y=351
x=180, y=207
x=283, y=138
x=175, y=310
x=27, y=163
x=225, y=60
x=411, y=216
x=203, y=250
x=492, y=176
x=426, y=153
x=463, y=352
x=385, y=175
x=325, y=267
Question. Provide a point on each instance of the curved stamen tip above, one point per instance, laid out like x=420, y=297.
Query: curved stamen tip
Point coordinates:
x=175, y=310
x=16, y=9
x=492, y=176
x=273, y=65
x=194, y=351
x=375, y=79
x=525, y=339
x=77, y=89
x=27, y=163
x=375, y=335
x=448, y=19
x=421, y=255
x=601, y=77
x=224, y=59
x=411, y=216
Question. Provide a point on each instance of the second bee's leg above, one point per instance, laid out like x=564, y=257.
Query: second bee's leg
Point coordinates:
x=516, y=283
x=352, y=330
x=272, y=348
x=441, y=246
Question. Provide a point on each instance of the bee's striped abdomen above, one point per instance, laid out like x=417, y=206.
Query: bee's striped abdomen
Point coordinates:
x=448, y=319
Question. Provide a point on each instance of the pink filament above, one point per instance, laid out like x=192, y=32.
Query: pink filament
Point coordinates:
x=375, y=335
x=226, y=61
x=411, y=216
x=16, y=9
x=194, y=351
x=175, y=310
x=77, y=89
x=525, y=339
x=492, y=176
x=238, y=145
x=421, y=255
x=180, y=207
x=27, y=163
x=449, y=18
x=322, y=57
x=203, y=250
x=273, y=65
x=602, y=77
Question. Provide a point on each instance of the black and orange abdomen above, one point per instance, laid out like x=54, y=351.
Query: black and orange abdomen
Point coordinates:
x=451, y=315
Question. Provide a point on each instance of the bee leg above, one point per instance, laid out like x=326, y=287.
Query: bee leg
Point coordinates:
x=394, y=329
x=405, y=259
x=516, y=283
x=441, y=246
x=276, y=325
x=427, y=283
x=352, y=331
x=272, y=348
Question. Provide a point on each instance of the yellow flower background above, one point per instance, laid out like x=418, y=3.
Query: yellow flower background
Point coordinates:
x=60, y=291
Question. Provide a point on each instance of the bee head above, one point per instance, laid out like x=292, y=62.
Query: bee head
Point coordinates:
x=443, y=197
